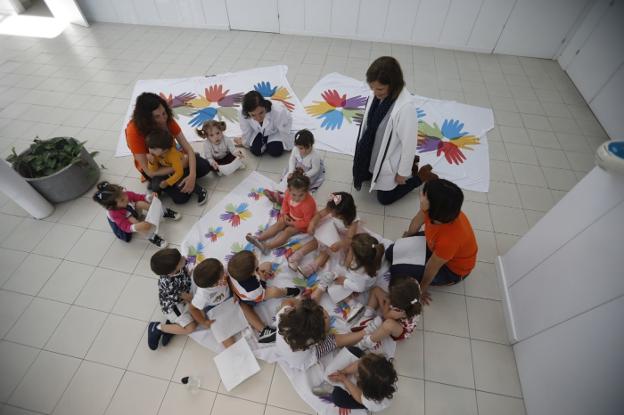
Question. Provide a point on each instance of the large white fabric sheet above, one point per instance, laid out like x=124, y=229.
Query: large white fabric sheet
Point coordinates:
x=201, y=98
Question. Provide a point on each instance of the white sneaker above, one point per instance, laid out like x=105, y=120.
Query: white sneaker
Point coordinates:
x=366, y=343
x=323, y=389
x=325, y=278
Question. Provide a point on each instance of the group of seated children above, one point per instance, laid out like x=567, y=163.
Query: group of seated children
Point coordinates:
x=302, y=326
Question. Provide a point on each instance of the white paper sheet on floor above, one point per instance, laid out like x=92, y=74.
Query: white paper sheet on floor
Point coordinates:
x=202, y=98
x=236, y=363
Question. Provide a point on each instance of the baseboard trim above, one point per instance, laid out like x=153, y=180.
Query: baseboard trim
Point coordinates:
x=509, y=320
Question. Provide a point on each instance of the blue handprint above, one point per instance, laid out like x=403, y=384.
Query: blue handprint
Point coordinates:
x=331, y=120
x=420, y=112
x=452, y=129
x=202, y=115
x=264, y=88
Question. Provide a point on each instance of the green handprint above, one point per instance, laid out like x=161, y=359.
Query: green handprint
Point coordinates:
x=426, y=130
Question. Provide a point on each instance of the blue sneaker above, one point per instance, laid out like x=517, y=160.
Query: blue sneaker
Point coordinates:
x=166, y=337
x=153, y=335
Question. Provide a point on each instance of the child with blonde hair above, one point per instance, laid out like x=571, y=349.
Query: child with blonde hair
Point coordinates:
x=219, y=150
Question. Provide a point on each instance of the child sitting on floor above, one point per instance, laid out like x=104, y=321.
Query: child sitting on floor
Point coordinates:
x=304, y=158
x=374, y=386
x=174, y=294
x=163, y=153
x=212, y=290
x=360, y=273
x=399, y=309
x=251, y=290
x=298, y=209
x=341, y=210
x=303, y=334
x=218, y=149
x=123, y=214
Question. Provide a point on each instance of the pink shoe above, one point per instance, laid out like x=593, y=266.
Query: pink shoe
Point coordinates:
x=308, y=269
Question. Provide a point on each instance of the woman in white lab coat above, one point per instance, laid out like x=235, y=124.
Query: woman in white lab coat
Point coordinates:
x=386, y=147
x=266, y=126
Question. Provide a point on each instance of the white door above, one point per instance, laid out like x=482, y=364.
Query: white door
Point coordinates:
x=253, y=15
x=67, y=10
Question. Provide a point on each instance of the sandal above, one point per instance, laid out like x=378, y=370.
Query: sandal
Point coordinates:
x=294, y=259
x=308, y=269
x=257, y=243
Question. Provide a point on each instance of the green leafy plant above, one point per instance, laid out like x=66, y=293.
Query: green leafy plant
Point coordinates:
x=46, y=157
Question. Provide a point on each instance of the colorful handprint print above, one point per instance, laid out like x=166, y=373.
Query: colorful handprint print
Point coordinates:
x=336, y=107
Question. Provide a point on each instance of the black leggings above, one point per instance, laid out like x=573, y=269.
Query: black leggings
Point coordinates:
x=387, y=197
x=202, y=168
x=274, y=148
x=341, y=397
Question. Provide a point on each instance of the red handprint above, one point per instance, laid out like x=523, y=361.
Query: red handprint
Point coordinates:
x=333, y=98
x=214, y=93
x=452, y=153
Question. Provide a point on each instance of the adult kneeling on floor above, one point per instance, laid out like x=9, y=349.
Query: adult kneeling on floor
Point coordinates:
x=151, y=112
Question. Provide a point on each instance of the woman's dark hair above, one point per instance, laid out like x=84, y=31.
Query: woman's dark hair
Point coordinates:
x=253, y=100
x=367, y=252
x=387, y=71
x=208, y=273
x=165, y=261
x=304, y=138
x=159, y=139
x=445, y=200
x=376, y=377
x=343, y=206
x=107, y=194
x=298, y=181
x=203, y=131
x=405, y=295
x=142, y=115
x=303, y=325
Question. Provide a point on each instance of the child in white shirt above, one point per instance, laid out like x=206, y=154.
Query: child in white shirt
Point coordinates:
x=212, y=290
x=218, y=149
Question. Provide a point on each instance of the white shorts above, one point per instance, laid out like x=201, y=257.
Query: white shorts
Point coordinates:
x=184, y=319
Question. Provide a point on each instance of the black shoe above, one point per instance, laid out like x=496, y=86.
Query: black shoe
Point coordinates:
x=202, y=196
x=153, y=335
x=172, y=214
x=166, y=337
x=293, y=291
x=267, y=335
x=158, y=241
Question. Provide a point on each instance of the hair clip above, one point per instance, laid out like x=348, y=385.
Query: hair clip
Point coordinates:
x=99, y=195
x=373, y=246
x=414, y=301
x=335, y=198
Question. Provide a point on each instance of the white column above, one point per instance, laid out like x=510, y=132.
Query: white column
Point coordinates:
x=15, y=187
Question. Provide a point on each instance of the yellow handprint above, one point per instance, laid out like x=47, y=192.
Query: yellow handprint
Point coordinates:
x=281, y=94
x=466, y=141
x=318, y=108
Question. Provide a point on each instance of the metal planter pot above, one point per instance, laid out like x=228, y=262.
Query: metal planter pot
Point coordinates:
x=70, y=182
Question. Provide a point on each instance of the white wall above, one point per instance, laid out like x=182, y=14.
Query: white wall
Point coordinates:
x=206, y=14
x=521, y=27
x=563, y=289
x=594, y=60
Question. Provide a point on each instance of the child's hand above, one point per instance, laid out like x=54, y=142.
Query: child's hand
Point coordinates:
x=150, y=158
x=207, y=323
x=239, y=154
x=289, y=221
x=335, y=247
x=214, y=165
x=265, y=270
x=338, y=376
x=154, y=195
x=187, y=297
x=340, y=280
x=238, y=141
x=162, y=184
x=395, y=314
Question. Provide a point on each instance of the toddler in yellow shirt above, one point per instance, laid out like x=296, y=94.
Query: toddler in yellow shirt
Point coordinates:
x=164, y=155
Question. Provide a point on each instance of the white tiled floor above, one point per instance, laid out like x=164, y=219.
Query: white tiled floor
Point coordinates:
x=75, y=302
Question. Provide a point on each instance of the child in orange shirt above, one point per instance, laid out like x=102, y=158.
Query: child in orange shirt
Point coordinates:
x=298, y=209
x=162, y=153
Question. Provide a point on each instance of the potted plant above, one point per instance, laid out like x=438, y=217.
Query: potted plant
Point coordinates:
x=60, y=168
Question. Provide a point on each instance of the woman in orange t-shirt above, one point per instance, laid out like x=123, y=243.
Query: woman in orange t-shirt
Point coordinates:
x=152, y=112
x=451, y=242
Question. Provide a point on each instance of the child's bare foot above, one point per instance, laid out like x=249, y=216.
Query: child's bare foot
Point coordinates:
x=257, y=243
x=308, y=269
